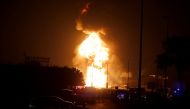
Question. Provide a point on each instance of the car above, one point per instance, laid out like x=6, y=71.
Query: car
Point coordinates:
x=73, y=96
x=79, y=100
x=66, y=94
x=50, y=102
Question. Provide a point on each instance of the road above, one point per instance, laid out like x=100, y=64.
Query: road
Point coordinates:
x=106, y=104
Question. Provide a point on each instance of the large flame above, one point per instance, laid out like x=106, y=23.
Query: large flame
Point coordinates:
x=95, y=51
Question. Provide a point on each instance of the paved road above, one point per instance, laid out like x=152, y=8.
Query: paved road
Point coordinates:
x=106, y=104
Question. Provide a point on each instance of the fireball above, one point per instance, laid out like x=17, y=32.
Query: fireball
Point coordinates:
x=95, y=51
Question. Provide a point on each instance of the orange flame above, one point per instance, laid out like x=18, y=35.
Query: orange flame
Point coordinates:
x=95, y=51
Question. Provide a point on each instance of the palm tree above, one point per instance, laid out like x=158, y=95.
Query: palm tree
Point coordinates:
x=176, y=52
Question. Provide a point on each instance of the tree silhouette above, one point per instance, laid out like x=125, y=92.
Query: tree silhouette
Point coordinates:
x=33, y=79
x=176, y=52
x=22, y=82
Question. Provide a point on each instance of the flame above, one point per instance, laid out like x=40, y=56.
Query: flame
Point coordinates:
x=85, y=9
x=95, y=51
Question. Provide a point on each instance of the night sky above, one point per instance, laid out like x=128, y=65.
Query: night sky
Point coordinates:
x=46, y=28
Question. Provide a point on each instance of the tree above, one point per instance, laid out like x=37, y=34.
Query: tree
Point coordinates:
x=176, y=52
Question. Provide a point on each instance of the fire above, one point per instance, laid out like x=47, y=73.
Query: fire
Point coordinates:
x=94, y=50
x=85, y=9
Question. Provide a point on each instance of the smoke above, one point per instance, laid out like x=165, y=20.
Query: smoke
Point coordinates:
x=80, y=63
x=117, y=74
x=85, y=9
x=83, y=12
x=79, y=21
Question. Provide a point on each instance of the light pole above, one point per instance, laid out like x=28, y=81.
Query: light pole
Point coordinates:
x=165, y=70
x=140, y=50
x=128, y=76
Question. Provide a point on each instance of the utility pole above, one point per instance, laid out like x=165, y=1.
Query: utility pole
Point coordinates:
x=128, y=76
x=107, y=77
x=140, y=50
x=165, y=71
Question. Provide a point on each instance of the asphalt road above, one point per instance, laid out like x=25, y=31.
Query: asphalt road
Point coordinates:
x=105, y=104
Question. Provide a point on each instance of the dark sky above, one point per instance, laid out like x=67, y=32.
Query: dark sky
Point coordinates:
x=46, y=28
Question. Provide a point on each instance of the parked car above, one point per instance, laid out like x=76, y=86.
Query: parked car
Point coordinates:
x=73, y=96
x=50, y=102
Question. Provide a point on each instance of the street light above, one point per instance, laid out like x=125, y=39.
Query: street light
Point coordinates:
x=140, y=50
